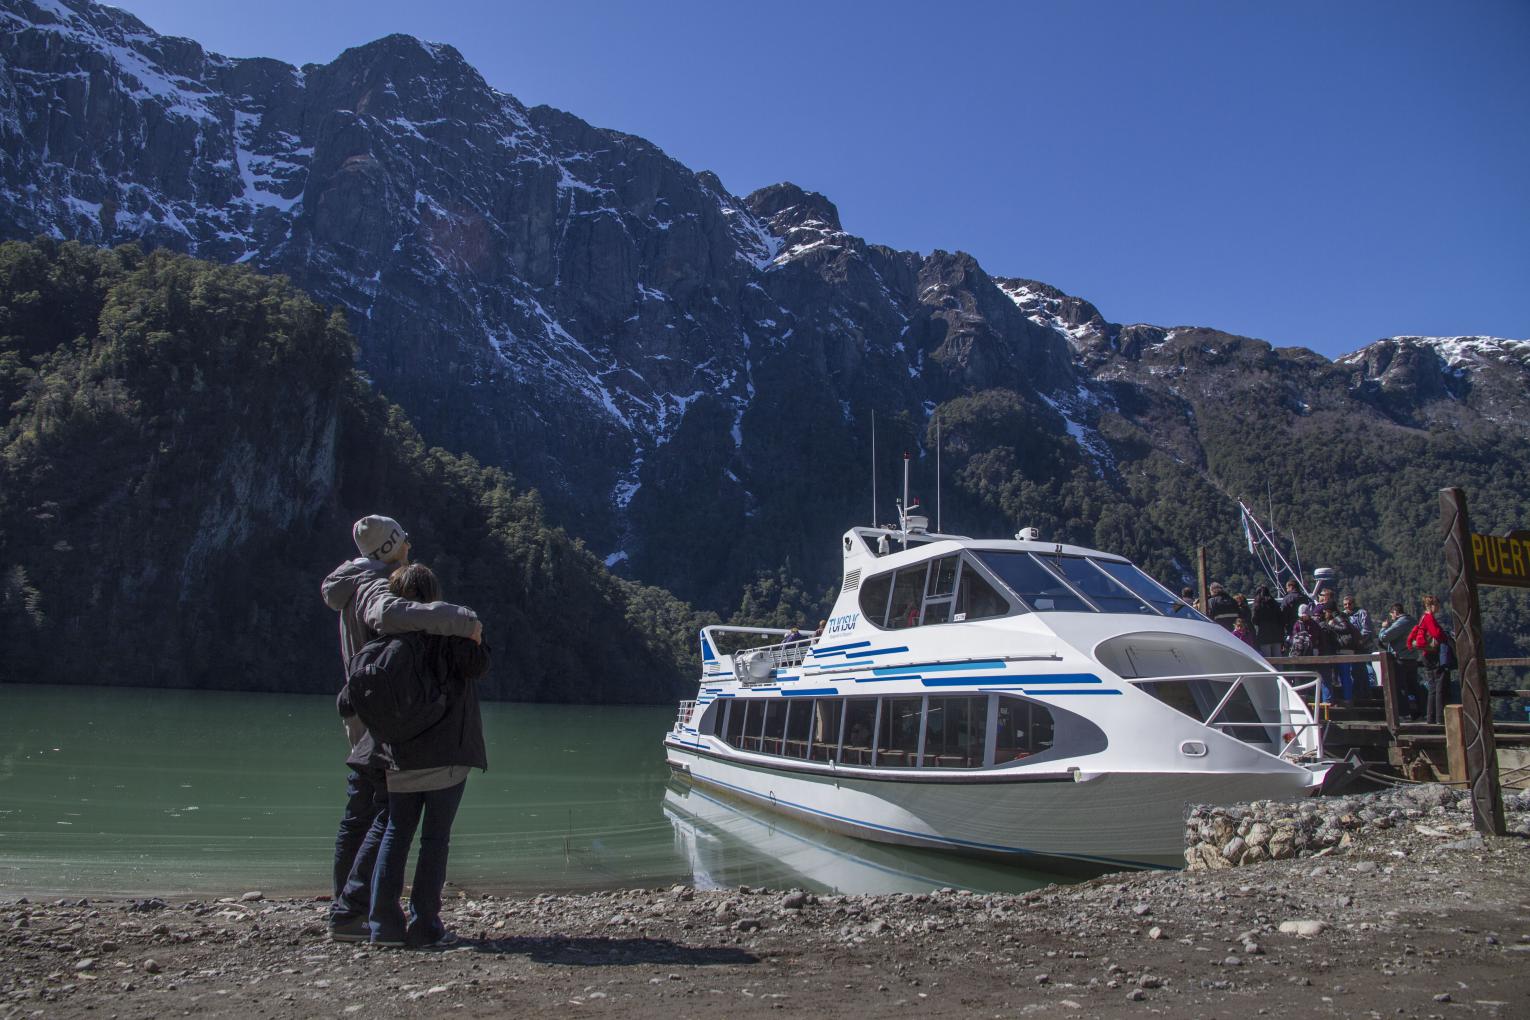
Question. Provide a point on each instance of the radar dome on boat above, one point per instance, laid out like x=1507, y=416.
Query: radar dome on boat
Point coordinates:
x=915, y=522
x=1028, y=535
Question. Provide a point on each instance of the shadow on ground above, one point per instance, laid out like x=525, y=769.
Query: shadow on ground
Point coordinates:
x=604, y=952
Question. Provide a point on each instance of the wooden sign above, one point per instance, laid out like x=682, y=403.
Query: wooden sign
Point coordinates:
x=1476, y=702
x=1502, y=559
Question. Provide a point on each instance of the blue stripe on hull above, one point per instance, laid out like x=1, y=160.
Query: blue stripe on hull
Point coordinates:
x=836, y=649
x=876, y=651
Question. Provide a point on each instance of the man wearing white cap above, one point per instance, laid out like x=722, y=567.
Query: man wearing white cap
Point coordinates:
x=358, y=590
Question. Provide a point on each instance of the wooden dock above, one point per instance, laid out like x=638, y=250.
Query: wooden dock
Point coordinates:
x=1377, y=728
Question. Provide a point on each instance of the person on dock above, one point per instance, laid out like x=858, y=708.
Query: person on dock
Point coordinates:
x=1269, y=622
x=1221, y=606
x=1338, y=638
x=358, y=591
x=1430, y=638
x=427, y=780
x=1364, y=639
x=1245, y=611
x=1394, y=638
x=1291, y=602
x=1306, y=639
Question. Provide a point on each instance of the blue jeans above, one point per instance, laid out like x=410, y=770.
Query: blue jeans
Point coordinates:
x=361, y=829
x=1346, y=681
x=439, y=808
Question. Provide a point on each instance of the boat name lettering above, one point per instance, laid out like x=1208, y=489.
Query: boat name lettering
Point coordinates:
x=840, y=624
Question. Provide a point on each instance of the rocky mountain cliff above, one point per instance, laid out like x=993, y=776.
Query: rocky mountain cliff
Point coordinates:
x=672, y=365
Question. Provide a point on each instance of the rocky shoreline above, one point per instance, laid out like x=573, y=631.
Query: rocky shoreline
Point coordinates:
x=1225, y=837
x=1388, y=904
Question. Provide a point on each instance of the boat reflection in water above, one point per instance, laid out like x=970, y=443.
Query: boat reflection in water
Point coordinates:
x=730, y=843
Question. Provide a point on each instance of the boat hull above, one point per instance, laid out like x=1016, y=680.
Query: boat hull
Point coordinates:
x=1110, y=821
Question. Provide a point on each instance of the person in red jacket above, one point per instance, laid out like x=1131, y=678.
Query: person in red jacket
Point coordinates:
x=1430, y=639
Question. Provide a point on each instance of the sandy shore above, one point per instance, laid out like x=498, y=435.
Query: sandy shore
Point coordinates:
x=1412, y=919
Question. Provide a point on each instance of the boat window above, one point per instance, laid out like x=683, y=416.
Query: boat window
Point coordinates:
x=799, y=727
x=775, y=726
x=826, y=716
x=955, y=729
x=750, y=715
x=733, y=728
x=976, y=599
x=1038, y=587
x=1199, y=697
x=1097, y=586
x=907, y=597
x=1025, y=728
x=860, y=725
x=898, y=739
x=1156, y=595
x=943, y=577
x=874, y=592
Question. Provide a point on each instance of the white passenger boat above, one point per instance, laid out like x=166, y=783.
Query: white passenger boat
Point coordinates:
x=1021, y=698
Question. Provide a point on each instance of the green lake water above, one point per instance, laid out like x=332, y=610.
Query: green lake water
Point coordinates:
x=137, y=792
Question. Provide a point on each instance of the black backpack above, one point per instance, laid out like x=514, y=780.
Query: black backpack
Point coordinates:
x=390, y=688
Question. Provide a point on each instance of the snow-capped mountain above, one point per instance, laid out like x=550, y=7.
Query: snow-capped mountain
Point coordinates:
x=651, y=352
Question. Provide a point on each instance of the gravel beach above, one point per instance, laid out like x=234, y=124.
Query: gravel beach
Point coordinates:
x=1392, y=907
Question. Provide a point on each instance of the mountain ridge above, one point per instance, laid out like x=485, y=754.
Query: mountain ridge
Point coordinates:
x=652, y=353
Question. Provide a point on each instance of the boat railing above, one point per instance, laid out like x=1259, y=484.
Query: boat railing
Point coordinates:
x=758, y=665
x=1293, y=723
x=683, y=716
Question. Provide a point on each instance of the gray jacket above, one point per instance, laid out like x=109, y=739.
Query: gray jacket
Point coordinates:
x=358, y=591
x=1394, y=637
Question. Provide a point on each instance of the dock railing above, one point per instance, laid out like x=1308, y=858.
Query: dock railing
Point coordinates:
x=1392, y=697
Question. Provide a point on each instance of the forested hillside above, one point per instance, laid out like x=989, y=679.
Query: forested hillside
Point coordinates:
x=687, y=377
x=183, y=449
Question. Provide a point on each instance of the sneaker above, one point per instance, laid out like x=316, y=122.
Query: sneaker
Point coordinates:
x=442, y=940
x=349, y=929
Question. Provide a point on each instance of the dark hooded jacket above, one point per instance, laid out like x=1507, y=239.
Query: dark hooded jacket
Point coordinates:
x=455, y=664
x=358, y=590
x=1269, y=621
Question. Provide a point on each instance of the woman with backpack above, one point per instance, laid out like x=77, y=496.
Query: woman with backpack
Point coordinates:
x=1306, y=639
x=427, y=779
x=1430, y=639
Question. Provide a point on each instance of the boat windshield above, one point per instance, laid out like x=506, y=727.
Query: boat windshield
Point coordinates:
x=1155, y=594
x=1082, y=584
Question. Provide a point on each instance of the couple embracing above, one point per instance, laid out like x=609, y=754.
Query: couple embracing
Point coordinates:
x=410, y=774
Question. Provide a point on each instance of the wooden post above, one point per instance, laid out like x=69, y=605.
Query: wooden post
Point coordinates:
x=1455, y=745
x=1386, y=669
x=1481, y=751
x=1200, y=574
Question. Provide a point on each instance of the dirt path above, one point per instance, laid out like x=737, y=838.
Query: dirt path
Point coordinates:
x=1410, y=921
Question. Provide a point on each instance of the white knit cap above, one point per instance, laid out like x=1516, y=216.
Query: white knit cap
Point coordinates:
x=379, y=538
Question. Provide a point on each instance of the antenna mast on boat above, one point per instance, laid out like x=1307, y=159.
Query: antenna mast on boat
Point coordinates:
x=937, y=474
x=1263, y=546
x=873, y=468
x=903, y=506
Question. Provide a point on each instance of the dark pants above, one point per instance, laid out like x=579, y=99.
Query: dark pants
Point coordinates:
x=1439, y=694
x=1414, y=697
x=361, y=829
x=439, y=808
x=1346, y=682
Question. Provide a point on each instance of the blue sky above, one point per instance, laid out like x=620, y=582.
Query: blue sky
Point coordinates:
x=1314, y=174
